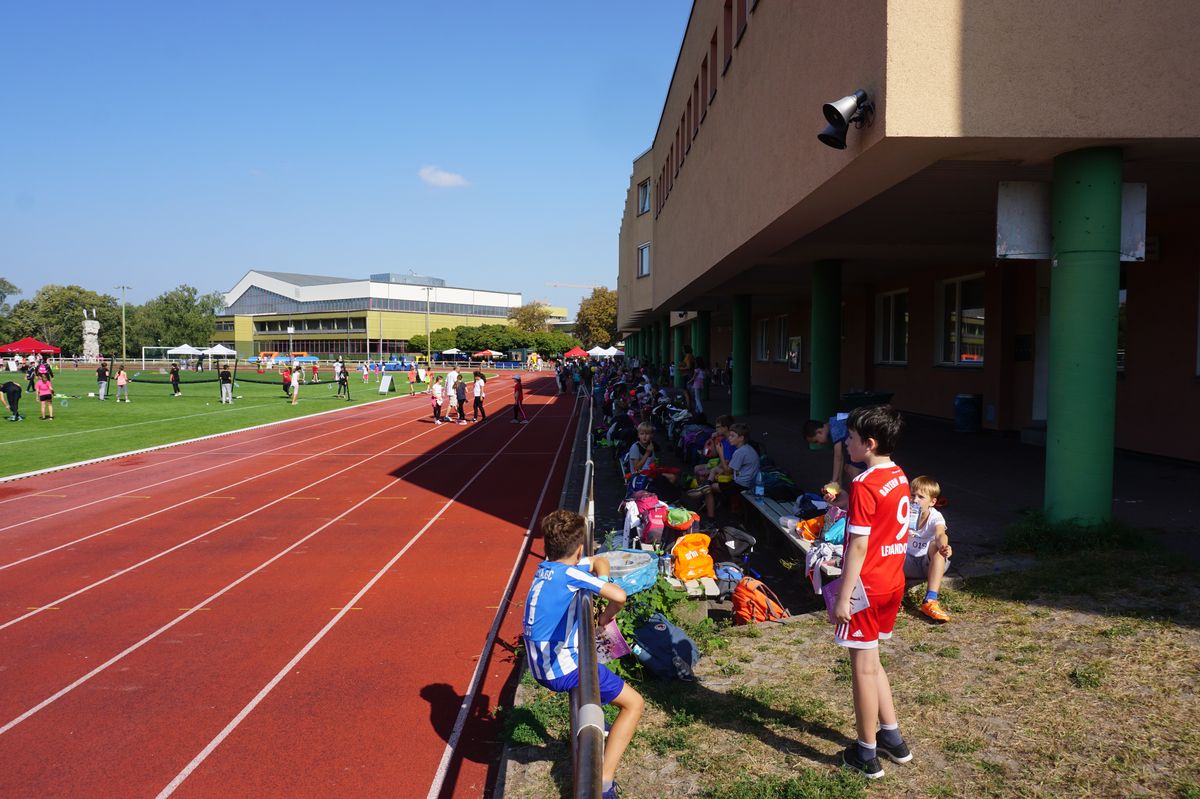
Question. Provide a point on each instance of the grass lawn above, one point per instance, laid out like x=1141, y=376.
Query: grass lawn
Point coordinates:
x=1077, y=678
x=86, y=428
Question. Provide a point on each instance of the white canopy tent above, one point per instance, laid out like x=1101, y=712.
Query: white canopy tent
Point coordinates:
x=452, y=351
x=219, y=349
x=611, y=351
x=185, y=349
x=597, y=351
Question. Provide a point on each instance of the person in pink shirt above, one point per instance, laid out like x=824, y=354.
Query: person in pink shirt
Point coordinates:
x=122, y=384
x=45, y=395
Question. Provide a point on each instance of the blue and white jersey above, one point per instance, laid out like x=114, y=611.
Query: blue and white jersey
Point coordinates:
x=551, y=621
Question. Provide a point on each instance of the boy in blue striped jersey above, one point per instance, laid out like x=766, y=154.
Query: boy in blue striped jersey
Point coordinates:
x=551, y=630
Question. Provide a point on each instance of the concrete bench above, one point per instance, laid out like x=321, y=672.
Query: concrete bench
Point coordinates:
x=772, y=511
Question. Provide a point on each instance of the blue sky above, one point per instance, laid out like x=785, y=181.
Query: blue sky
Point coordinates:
x=154, y=144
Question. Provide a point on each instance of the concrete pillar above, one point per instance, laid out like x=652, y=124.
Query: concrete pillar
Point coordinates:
x=826, y=340
x=677, y=355
x=664, y=343
x=700, y=333
x=1085, y=273
x=740, y=402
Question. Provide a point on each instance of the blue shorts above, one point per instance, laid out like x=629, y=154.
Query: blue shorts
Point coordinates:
x=610, y=684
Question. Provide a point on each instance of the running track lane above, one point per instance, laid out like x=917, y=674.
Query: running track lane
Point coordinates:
x=349, y=719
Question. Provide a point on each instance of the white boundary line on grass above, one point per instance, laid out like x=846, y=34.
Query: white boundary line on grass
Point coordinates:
x=221, y=592
x=156, y=447
x=439, y=776
x=316, y=639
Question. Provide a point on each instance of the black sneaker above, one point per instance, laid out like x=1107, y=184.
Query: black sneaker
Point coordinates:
x=868, y=768
x=896, y=754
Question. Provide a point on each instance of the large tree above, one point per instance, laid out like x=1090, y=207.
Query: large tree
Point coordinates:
x=180, y=316
x=530, y=317
x=596, y=321
x=55, y=315
x=7, y=289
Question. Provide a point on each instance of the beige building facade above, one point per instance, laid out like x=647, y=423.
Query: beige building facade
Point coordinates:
x=738, y=213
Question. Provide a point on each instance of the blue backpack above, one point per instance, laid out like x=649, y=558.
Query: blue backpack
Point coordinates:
x=665, y=649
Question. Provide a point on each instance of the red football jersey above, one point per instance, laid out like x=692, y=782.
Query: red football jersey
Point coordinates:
x=879, y=504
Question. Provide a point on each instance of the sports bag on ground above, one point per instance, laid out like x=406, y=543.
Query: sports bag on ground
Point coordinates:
x=754, y=602
x=665, y=649
x=691, y=557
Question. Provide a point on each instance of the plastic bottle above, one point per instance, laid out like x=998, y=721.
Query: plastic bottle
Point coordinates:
x=758, y=485
x=914, y=516
x=639, y=653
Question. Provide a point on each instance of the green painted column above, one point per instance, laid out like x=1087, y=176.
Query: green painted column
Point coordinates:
x=701, y=326
x=677, y=355
x=1085, y=273
x=740, y=402
x=825, y=341
x=664, y=343
x=651, y=343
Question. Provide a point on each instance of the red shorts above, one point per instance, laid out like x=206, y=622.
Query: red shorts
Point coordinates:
x=870, y=625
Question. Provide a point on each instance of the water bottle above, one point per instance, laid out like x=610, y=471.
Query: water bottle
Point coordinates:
x=758, y=484
x=639, y=653
x=914, y=517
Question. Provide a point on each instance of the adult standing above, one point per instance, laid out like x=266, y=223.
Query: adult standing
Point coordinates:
x=10, y=395
x=102, y=380
x=296, y=383
x=343, y=378
x=175, y=380
x=226, y=378
x=339, y=369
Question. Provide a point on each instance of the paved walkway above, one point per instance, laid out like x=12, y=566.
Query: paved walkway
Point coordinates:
x=988, y=478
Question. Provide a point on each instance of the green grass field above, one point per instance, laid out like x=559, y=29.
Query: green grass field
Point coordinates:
x=85, y=428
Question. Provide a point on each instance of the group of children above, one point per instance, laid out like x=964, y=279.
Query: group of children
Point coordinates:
x=451, y=391
x=894, y=531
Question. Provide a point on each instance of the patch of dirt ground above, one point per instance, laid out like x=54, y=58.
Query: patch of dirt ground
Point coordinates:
x=1063, y=696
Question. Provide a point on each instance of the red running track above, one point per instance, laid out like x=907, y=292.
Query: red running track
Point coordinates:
x=290, y=612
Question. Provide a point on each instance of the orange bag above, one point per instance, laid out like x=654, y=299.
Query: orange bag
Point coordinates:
x=810, y=529
x=691, y=557
x=754, y=602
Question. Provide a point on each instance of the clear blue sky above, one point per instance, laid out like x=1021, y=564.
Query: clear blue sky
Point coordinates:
x=154, y=144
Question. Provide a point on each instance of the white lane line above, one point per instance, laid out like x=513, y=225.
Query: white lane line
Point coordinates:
x=188, y=475
x=124, y=473
x=208, y=601
x=469, y=697
x=156, y=447
x=291, y=664
x=192, y=499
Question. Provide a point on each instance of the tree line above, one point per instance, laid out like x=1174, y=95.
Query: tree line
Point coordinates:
x=54, y=314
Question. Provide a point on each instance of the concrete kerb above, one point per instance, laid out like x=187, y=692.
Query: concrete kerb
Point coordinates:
x=156, y=447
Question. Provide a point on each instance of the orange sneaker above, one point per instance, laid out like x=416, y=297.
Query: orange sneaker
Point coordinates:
x=933, y=609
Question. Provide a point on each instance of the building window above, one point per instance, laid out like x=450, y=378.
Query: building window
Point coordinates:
x=764, y=340
x=712, y=66
x=781, y=339
x=1121, y=327
x=643, y=267
x=742, y=12
x=795, y=354
x=727, y=33
x=891, y=327
x=961, y=321
x=695, y=103
x=703, y=98
x=643, y=197
x=689, y=132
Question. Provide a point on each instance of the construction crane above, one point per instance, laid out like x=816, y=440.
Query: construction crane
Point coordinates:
x=573, y=286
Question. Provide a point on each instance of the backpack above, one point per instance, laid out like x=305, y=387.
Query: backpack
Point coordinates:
x=729, y=574
x=754, y=602
x=664, y=649
x=653, y=521
x=691, y=557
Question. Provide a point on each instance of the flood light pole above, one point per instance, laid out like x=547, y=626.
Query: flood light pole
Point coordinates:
x=123, y=288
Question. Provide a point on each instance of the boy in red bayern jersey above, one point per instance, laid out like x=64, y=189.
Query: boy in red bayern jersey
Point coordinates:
x=877, y=533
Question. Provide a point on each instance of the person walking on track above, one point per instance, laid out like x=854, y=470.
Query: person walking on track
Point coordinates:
x=478, y=413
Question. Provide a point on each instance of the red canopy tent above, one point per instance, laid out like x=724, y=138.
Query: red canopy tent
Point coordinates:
x=575, y=352
x=30, y=345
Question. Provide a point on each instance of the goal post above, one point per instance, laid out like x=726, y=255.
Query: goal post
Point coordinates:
x=164, y=352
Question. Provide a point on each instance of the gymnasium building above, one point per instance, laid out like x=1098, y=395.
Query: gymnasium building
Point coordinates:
x=354, y=318
x=983, y=205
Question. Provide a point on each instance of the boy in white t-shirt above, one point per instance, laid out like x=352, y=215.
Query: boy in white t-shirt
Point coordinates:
x=929, y=548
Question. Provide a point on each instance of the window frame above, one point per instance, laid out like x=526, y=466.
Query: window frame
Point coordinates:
x=762, y=352
x=885, y=333
x=643, y=197
x=643, y=248
x=939, y=339
x=795, y=361
x=781, y=339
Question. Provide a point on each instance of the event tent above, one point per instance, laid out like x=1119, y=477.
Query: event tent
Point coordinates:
x=218, y=349
x=597, y=352
x=611, y=351
x=486, y=354
x=30, y=345
x=452, y=351
x=575, y=352
x=185, y=350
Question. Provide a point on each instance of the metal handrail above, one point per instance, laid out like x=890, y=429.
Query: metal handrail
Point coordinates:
x=587, y=715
